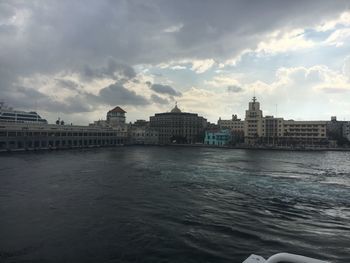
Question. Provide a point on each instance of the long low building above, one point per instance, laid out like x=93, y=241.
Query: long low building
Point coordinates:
x=30, y=136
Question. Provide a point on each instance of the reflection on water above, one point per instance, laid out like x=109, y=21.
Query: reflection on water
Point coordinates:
x=173, y=204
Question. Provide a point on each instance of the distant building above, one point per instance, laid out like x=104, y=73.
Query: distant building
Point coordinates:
x=309, y=133
x=234, y=124
x=179, y=127
x=31, y=135
x=115, y=119
x=141, y=133
x=272, y=130
x=21, y=136
x=217, y=137
x=277, y=131
x=335, y=130
x=253, y=123
x=346, y=130
x=212, y=126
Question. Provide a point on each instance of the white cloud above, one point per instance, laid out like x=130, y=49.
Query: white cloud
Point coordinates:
x=178, y=67
x=339, y=37
x=201, y=66
x=346, y=67
x=222, y=81
x=343, y=19
x=285, y=41
x=304, y=93
x=174, y=28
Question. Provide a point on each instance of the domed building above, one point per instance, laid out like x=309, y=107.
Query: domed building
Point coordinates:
x=179, y=127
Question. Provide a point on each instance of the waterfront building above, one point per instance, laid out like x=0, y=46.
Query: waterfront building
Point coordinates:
x=115, y=119
x=253, y=123
x=335, y=131
x=179, y=127
x=309, y=133
x=270, y=130
x=217, y=137
x=8, y=114
x=346, y=130
x=32, y=136
x=141, y=133
x=234, y=124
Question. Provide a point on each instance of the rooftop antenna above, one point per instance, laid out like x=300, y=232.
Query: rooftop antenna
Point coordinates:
x=254, y=98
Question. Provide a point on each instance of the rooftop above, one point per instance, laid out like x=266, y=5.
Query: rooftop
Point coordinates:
x=118, y=109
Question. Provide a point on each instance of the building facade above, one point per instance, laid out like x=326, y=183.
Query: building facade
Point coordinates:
x=179, y=127
x=217, y=137
x=277, y=131
x=346, y=130
x=115, y=119
x=234, y=124
x=253, y=123
x=19, y=136
x=33, y=135
x=141, y=133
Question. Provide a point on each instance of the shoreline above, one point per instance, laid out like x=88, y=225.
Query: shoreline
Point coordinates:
x=241, y=147
x=306, y=149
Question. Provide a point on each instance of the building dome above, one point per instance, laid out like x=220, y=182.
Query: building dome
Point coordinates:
x=176, y=109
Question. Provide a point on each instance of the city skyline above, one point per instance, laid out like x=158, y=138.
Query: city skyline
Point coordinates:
x=77, y=61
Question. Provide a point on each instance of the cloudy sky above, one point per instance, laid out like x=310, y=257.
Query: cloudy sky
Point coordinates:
x=78, y=59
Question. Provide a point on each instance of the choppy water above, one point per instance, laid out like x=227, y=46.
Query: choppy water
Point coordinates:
x=173, y=204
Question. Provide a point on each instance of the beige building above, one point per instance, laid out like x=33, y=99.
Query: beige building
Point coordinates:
x=277, y=131
x=253, y=123
x=235, y=124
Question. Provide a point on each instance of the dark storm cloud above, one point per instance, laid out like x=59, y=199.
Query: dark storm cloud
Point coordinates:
x=159, y=100
x=68, y=84
x=30, y=99
x=234, y=89
x=165, y=89
x=117, y=94
x=114, y=70
x=48, y=37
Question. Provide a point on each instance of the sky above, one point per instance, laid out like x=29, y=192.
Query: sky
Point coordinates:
x=78, y=59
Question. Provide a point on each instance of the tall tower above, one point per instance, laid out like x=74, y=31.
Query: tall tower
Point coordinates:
x=253, y=122
x=116, y=117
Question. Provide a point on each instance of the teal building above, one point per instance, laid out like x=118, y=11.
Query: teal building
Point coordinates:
x=217, y=137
